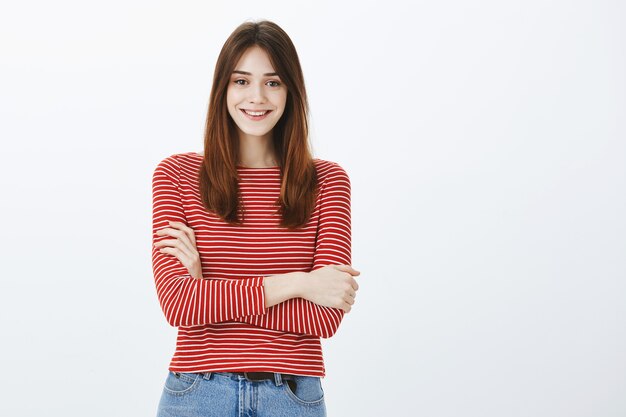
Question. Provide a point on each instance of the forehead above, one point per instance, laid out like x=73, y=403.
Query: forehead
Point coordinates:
x=255, y=61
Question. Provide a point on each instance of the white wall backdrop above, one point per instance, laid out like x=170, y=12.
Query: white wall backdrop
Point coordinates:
x=486, y=145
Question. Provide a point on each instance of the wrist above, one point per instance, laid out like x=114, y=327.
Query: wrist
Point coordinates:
x=282, y=287
x=299, y=284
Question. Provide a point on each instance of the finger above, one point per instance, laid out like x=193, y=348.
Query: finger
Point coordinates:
x=181, y=243
x=351, y=269
x=349, y=299
x=180, y=226
x=354, y=284
x=348, y=269
x=165, y=243
x=180, y=253
x=175, y=253
x=188, y=230
x=180, y=234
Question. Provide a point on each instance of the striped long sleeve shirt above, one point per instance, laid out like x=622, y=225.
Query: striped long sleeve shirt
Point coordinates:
x=223, y=324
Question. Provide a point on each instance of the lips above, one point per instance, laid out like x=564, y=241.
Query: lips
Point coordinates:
x=255, y=114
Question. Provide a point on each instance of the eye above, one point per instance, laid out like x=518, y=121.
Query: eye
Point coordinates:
x=276, y=83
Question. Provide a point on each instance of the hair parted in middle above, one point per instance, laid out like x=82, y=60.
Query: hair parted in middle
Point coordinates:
x=218, y=176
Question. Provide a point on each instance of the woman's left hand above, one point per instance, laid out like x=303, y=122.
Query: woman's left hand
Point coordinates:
x=183, y=247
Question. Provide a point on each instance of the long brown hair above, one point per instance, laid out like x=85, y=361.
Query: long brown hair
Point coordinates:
x=218, y=176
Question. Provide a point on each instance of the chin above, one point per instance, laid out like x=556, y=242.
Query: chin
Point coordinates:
x=256, y=132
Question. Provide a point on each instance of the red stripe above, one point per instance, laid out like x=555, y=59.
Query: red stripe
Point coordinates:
x=222, y=321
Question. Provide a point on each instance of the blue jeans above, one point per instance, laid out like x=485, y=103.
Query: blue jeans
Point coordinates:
x=224, y=394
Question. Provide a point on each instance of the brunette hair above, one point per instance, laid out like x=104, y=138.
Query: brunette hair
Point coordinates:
x=218, y=176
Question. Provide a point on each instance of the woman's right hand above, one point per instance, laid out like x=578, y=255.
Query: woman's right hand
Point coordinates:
x=331, y=286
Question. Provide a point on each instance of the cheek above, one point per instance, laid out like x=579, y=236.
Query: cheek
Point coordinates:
x=281, y=99
x=230, y=99
x=234, y=96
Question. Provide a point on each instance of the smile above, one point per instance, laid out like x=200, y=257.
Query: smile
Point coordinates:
x=255, y=115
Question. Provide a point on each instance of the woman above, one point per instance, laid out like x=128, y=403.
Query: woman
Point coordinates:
x=251, y=252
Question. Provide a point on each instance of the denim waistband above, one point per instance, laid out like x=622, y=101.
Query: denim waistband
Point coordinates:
x=276, y=377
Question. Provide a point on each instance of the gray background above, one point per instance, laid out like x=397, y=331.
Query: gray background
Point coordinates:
x=486, y=146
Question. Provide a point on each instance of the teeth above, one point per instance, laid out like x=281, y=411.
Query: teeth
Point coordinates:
x=255, y=113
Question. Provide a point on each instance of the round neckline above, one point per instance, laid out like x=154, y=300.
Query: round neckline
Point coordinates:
x=242, y=166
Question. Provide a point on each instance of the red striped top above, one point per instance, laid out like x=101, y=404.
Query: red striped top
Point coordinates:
x=222, y=321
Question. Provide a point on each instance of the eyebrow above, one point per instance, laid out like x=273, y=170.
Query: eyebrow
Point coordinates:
x=267, y=74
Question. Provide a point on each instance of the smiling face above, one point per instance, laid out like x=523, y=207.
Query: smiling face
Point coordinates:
x=254, y=86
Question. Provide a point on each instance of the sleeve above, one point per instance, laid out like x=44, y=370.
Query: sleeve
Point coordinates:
x=187, y=301
x=333, y=247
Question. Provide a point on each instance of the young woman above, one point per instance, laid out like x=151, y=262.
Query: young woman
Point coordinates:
x=252, y=243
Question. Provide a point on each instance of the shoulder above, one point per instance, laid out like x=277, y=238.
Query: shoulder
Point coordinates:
x=330, y=171
x=171, y=165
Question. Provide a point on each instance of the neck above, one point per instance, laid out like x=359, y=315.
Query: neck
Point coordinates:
x=256, y=151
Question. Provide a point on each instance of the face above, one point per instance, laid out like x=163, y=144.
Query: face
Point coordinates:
x=255, y=87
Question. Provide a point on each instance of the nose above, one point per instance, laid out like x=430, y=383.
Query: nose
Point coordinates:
x=257, y=94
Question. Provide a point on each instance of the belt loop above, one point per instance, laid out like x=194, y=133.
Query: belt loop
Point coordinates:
x=207, y=375
x=277, y=379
